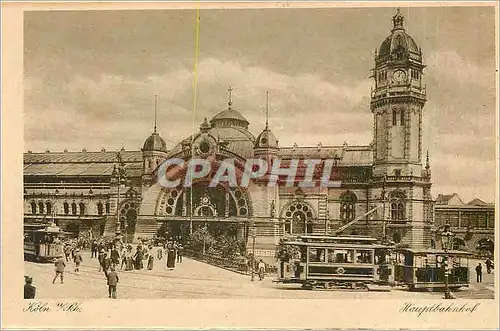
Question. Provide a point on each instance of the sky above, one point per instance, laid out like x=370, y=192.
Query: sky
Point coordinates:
x=90, y=78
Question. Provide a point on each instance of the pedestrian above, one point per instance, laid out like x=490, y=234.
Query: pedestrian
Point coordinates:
x=171, y=249
x=77, y=259
x=180, y=253
x=129, y=258
x=100, y=258
x=138, y=258
x=60, y=265
x=124, y=258
x=115, y=256
x=489, y=265
x=112, y=282
x=479, y=273
x=94, y=249
x=106, y=264
x=151, y=257
x=67, y=251
x=262, y=268
x=29, y=289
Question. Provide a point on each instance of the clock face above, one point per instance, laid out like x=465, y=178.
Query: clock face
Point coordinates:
x=399, y=76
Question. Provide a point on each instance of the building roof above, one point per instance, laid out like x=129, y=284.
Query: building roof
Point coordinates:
x=266, y=139
x=477, y=202
x=349, y=155
x=399, y=41
x=155, y=143
x=449, y=199
x=80, y=163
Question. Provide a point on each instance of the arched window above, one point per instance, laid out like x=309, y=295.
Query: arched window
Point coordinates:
x=107, y=208
x=348, y=206
x=40, y=207
x=49, y=208
x=100, y=208
x=402, y=118
x=73, y=208
x=82, y=208
x=298, y=218
x=398, y=206
x=33, y=207
x=66, y=208
x=394, y=118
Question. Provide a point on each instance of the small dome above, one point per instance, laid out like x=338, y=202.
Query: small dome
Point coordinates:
x=399, y=43
x=228, y=118
x=266, y=140
x=155, y=143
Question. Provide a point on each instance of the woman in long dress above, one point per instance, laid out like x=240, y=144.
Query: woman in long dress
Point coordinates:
x=151, y=257
x=130, y=262
x=138, y=258
x=171, y=255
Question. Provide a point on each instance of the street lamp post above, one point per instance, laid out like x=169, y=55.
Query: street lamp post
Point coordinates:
x=120, y=176
x=446, y=241
x=253, y=234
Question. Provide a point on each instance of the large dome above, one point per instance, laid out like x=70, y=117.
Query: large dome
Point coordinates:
x=154, y=143
x=229, y=118
x=399, y=44
x=230, y=127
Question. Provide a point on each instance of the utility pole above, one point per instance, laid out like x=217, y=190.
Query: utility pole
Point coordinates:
x=253, y=234
x=384, y=229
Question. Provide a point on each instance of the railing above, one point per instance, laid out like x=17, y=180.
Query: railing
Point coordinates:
x=231, y=264
x=241, y=267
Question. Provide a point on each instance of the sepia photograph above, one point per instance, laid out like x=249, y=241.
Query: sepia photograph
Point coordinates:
x=342, y=153
x=347, y=150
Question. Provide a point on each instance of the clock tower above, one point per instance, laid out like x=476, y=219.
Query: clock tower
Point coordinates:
x=397, y=101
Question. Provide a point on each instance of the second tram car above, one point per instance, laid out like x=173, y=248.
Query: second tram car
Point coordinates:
x=427, y=268
x=329, y=262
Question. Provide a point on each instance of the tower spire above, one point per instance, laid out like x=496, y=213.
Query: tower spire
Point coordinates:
x=156, y=106
x=398, y=20
x=267, y=109
x=230, y=102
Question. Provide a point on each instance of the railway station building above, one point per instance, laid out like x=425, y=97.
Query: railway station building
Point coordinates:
x=385, y=184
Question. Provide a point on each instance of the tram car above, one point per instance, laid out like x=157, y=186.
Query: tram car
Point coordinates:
x=42, y=243
x=352, y=262
x=427, y=268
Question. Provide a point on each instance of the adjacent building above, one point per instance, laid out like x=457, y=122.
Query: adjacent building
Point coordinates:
x=473, y=223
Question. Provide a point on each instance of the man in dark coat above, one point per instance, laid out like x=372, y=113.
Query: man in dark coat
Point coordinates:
x=479, y=273
x=29, y=290
x=106, y=264
x=112, y=282
x=94, y=249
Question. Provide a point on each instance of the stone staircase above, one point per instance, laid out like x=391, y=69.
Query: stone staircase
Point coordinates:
x=110, y=226
x=146, y=228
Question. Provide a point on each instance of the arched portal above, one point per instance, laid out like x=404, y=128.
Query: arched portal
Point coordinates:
x=128, y=219
x=222, y=210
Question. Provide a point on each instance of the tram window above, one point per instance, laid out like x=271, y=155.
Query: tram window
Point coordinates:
x=364, y=256
x=316, y=255
x=341, y=255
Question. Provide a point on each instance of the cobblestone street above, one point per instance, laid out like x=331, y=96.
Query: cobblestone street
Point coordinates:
x=192, y=279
